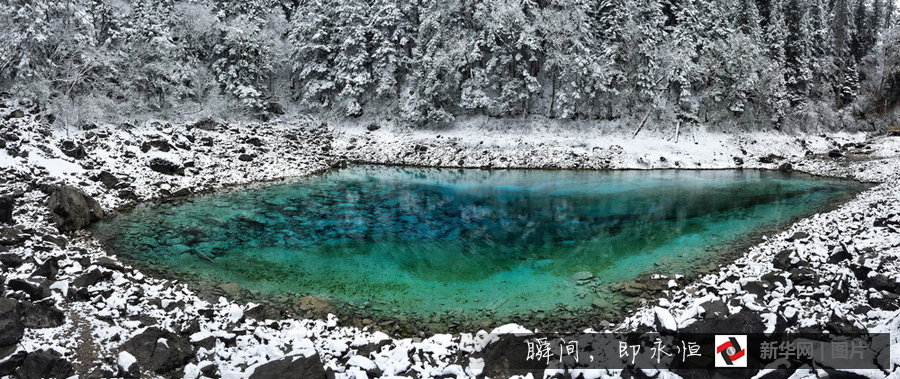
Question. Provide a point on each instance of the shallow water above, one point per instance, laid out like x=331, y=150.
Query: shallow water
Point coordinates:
x=424, y=241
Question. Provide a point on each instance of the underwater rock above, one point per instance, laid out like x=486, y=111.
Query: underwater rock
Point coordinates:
x=313, y=306
x=232, y=290
x=582, y=276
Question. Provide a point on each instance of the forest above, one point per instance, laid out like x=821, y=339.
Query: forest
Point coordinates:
x=725, y=64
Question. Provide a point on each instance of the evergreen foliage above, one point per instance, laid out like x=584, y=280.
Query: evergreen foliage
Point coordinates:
x=727, y=63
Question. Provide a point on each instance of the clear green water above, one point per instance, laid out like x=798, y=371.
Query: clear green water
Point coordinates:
x=427, y=241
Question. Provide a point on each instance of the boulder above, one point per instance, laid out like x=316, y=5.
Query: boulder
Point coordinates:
x=159, y=144
x=166, y=167
x=839, y=254
x=128, y=367
x=840, y=290
x=11, y=327
x=798, y=236
x=109, y=180
x=72, y=149
x=12, y=236
x=45, y=363
x=507, y=356
x=6, y=210
x=11, y=260
x=804, y=276
x=715, y=309
x=210, y=371
x=159, y=350
x=183, y=192
x=18, y=113
x=90, y=278
x=782, y=260
x=205, y=124
x=771, y=158
x=759, y=288
x=245, y=158
x=884, y=300
x=109, y=263
x=10, y=359
x=664, y=320
x=859, y=269
x=743, y=322
x=57, y=239
x=296, y=366
x=34, y=288
x=72, y=209
x=48, y=269
x=840, y=325
x=127, y=194
x=37, y=315
x=882, y=283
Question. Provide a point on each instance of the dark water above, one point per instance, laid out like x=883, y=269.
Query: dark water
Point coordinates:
x=425, y=241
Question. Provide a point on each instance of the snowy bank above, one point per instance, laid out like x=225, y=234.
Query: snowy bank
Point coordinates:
x=80, y=311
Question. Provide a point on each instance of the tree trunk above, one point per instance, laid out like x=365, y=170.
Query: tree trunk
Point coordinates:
x=553, y=96
x=641, y=126
x=677, y=130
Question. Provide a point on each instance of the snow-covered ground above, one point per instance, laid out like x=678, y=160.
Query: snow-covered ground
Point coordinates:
x=121, y=321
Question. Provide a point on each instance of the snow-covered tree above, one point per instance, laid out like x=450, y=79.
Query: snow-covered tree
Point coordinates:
x=431, y=94
x=242, y=60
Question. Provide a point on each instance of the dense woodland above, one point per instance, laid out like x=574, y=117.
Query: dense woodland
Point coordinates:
x=749, y=64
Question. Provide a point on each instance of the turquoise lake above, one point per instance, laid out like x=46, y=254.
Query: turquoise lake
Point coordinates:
x=426, y=241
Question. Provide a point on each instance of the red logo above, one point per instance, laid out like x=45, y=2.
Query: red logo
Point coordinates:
x=730, y=352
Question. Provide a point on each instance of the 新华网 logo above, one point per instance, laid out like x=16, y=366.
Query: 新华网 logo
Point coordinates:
x=731, y=351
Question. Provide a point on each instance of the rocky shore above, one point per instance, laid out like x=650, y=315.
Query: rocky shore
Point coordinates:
x=69, y=307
